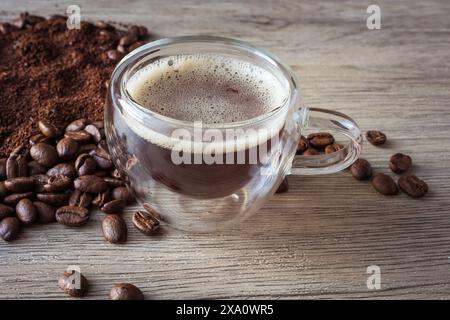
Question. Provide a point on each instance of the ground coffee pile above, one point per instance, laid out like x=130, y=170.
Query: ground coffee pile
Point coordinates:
x=51, y=73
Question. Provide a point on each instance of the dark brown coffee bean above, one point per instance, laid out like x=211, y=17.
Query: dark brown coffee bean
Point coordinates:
x=12, y=167
x=5, y=211
x=45, y=212
x=136, y=45
x=73, y=283
x=14, y=198
x=384, y=184
x=377, y=138
x=122, y=193
x=125, y=291
x=58, y=183
x=361, y=169
x=80, y=136
x=48, y=129
x=413, y=186
x=26, y=212
x=400, y=163
x=331, y=148
x=44, y=154
x=113, y=55
x=146, y=221
x=91, y=184
x=54, y=199
x=94, y=132
x=67, y=148
x=310, y=152
x=10, y=228
x=128, y=39
x=3, y=191
x=113, y=182
x=3, y=168
x=102, y=158
x=63, y=168
x=114, y=206
x=114, y=228
x=35, y=168
x=320, y=140
x=40, y=138
x=86, y=148
x=40, y=181
x=284, y=186
x=77, y=125
x=20, y=184
x=80, y=199
x=85, y=164
x=101, y=199
x=302, y=145
x=72, y=216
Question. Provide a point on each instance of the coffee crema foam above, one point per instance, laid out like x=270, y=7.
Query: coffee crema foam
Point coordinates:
x=208, y=88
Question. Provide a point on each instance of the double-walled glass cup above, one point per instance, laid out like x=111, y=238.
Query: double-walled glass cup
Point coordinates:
x=207, y=195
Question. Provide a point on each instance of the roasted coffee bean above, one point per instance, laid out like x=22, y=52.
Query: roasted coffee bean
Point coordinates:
x=26, y=212
x=40, y=138
x=128, y=39
x=35, y=168
x=361, y=169
x=113, y=55
x=3, y=191
x=122, y=193
x=384, y=184
x=40, y=181
x=86, y=148
x=146, y=221
x=45, y=212
x=10, y=228
x=94, y=132
x=73, y=283
x=58, y=183
x=77, y=125
x=331, y=148
x=54, y=199
x=5, y=211
x=113, y=182
x=400, y=163
x=3, y=168
x=114, y=206
x=67, y=148
x=413, y=186
x=13, y=199
x=320, y=140
x=101, y=199
x=284, y=186
x=80, y=136
x=114, y=228
x=63, y=168
x=310, y=152
x=72, y=216
x=48, y=129
x=377, y=138
x=85, y=165
x=80, y=199
x=91, y=184
x=136, y=45
x=20, y=184
x=125, y=291
x=102, y=158
x=44, y=154
x=302, y=145
x=11, y=166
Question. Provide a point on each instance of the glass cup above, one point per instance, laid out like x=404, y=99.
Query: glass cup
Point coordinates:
x=207, y=195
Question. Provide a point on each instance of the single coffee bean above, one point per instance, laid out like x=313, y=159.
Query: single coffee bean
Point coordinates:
x=310, y=152
x=283, y=187
x=85, y=165
x=377, y=138
x=102, y=158
x=413, y=186
x=94, y=132
x=113, y=182
x=384, y=184
x=5, y=211
x=73, y=283
x=320, y=140
x=48, y=129
x=3, y=168
x=331, y=148
x=35, y=168
x=91, y=184
x=101, y=199
x=10, y=228
x=58, y=183
x=13, y=199
x=67, y=148
x=80, y=199
x=125, y=291
x=77, y=125
x=114, y=228
x=44, y=154
x=45, y=212
x=361, y=169
x=302, y=145
x=11, y=166
x=128, y=40
x=26, y=212
x=72, y=216
x=122, y=193
x=400, y=163
x=40, y=180
x=114, y=206
x=40, y=138
x=3, y=191
x=20, y=184
x=64, y=169
x=86, y=148
x=146, y=221
x=80, y=136
x=54, y=199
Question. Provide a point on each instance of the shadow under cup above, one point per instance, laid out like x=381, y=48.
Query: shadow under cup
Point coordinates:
x=197, y=192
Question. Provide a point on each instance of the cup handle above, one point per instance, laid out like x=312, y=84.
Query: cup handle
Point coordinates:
x=336, y=123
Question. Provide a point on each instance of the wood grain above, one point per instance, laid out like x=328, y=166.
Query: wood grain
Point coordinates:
x=317, y=240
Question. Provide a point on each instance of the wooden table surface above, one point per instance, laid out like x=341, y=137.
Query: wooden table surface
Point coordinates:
x=317, y=240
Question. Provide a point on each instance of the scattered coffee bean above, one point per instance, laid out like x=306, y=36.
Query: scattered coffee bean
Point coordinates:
x=302, y=145
x=91, y=184
x=320, y=140
x=48, y=129
x=45, y=212
x=54, y=199
x=114, y=206
x=77, y=125
x=67, y=148
x=35, y=168
x=284, y=186
x=64, y=169
x=384, y=184
x=44, y=154
x=20, y=184
x=102, y=157
x=72, y=216
x=58, y=183
x=125, y=291
x=114, y=228
x=85, y=164
x=413, y=186
x=68, y=282
x=13, y=199
x=101, y=199
x=361, y=169
x=146, y=221
x=400, y=163
x=310, y=152
x=5, y=211
x=26, y=212
x=377, y=138
x=331, y=148
x=94, y=132
x=9, y=228
x=80, y=136
x=122, y=193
